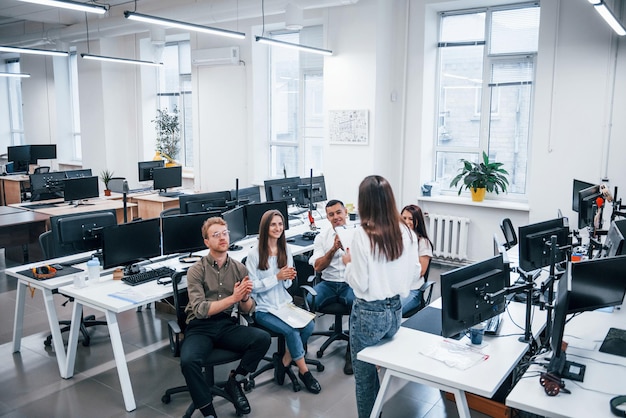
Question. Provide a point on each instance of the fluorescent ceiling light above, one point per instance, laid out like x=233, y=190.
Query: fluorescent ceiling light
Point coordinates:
x=610, y=18
x=183, y=25
x=19, y=75
x=72, y=5
x=594, y=2
x=120, y=60
x=33, y=51
x=284, y=44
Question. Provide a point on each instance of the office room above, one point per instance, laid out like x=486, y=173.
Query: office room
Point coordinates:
x=384, y=62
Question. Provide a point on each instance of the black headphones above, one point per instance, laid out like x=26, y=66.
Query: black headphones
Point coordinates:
x=615, y=402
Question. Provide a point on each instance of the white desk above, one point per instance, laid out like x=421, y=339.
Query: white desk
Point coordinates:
x=401, y=357
x=602, y=381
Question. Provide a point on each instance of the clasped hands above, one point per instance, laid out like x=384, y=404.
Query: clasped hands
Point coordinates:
x=242, y=289
x=286, y=273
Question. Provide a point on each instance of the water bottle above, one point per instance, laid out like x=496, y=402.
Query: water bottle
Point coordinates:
x=93, y=270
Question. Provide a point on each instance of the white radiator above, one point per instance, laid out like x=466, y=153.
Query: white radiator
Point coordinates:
x=449, y=236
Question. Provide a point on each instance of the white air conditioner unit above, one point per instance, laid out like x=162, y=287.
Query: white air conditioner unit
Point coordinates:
x=216, y=56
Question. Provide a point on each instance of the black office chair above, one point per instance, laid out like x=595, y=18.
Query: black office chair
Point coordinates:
x=170, y=212
x=510, y=237
x=176, y=330
x=427, y=293
x=25, y=189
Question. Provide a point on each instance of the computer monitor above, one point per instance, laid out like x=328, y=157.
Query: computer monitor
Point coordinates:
x=204, y=202
x=246, y=195
x=83, y=172
x=463, y=295
x=167, y=177
x=577, y=186
x=42, y=152
x=80, y=188
x=20, y=156
x=183, y=233
x=74, y=233
x=534, y=243
x=45, y=186
x=317, y=191
x=255, y=211
x=586, y=200
x=146, y=168
x=236, y=220
x=284, y=189
x=129, y=243
x=614, y=243
x=597, y=283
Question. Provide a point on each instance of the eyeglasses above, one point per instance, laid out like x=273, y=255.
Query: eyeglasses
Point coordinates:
x=223, y=233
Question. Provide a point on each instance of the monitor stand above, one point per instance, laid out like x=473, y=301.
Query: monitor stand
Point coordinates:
x=189, y=258
x=78, y=203
x=235, y=247
x=165, y=193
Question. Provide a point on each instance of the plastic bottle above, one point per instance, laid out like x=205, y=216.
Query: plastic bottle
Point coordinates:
x=93, y=270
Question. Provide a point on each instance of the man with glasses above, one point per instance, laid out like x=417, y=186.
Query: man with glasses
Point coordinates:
x=218, y=287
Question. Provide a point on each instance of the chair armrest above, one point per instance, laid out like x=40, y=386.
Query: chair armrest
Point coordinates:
x=426, y=285
x=175, y=335
x=308, y=289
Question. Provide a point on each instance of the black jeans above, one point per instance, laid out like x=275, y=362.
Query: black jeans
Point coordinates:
x=202, y=335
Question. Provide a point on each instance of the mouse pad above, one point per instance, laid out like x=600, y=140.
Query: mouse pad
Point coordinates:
x=427, y=320
x=297, y=240
x=66, y=270
x=614, y=342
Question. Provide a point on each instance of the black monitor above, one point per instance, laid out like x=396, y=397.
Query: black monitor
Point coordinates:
x=246, y=195
x=80, y=188
x=236, y=220
x=167, y=177
x=45, y=186
x=20, y=156
x=284, y=189
x=312, y=194
x=577, y=186
x=126, y=244
x=204, y=202
x=534, y=243
x=74, y=233
x=183, y=233
x=42, y=152
x=83, y=172
x=614, y=243
x=255, y=211
x=597, y=283
x=586, y=201
x=146, y=167
x=463, y=295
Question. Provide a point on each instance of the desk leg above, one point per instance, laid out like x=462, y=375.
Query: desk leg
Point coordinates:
x=18, y=321
x=378, y=404
x=120, y=361
x=55, y=329
x=72, y=343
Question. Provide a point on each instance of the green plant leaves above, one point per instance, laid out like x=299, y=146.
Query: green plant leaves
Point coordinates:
x=488, y=175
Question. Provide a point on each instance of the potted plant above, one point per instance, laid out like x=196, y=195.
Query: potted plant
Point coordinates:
x=106, y=176
x=481, y=177
x=167, y=126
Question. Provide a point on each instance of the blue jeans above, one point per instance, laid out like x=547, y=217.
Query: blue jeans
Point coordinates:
x=329, y=292
x=295, y=338
x=412, y=301
x=370, y=322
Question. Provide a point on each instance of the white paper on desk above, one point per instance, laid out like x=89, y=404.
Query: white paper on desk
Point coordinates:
x=294, y=316
x=455, y=354
x=133, y=295
x=346, y=234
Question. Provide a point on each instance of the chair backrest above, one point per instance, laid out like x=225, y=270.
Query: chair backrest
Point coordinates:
x=46, y=242
x=181, y=298
x=170, y=212
x=41, y=169
x=510, y=237
x=425, y=275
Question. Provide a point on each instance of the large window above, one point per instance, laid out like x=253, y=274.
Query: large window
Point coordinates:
x=486, y=62
x=296, y=95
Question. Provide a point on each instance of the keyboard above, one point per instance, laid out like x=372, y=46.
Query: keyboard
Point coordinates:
x=491, y=328
x=147, y=276
x=140, y=190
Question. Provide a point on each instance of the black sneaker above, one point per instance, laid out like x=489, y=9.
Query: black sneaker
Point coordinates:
x=310, y=382
x=233, y=389
x=347, y=368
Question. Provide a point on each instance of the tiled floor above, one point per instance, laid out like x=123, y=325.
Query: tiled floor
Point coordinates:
x=30, y=385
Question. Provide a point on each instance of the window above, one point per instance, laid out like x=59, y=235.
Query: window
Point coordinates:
x=16, y=118
x=486, y=61
x=296, y=108
x=77, y=151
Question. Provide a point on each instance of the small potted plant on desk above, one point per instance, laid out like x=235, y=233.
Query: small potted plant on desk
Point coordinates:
x=481, y=177
x=106, y=176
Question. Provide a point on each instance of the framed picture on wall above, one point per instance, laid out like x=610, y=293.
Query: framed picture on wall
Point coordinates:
x=349, y=127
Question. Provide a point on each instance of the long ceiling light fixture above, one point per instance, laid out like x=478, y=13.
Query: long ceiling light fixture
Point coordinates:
x=608, y=16
x=72, y=5
x=33, y=51
x=120, y=60
x=275, y=42
x=17, y=75
x=139, y=17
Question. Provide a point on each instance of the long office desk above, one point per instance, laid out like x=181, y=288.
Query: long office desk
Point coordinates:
x=63, y=208
x=19, y=227
x=11, y=188
x=150, y=205
x=402, y=357
x=603, y=377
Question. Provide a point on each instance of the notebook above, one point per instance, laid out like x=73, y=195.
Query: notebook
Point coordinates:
x=614, y=342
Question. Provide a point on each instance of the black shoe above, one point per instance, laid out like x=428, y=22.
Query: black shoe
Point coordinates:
x=279, y=370
x=233, y=389
x=310, y=382
x=347, y=368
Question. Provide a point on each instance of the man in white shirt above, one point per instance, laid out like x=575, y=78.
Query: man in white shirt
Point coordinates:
x=326, y=258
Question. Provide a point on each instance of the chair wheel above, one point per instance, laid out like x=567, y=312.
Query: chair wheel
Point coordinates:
x=47, y=342
x=319, y=354
x=296, y=387
x=320, y=367
x=86, y=343
x=249, y=385
x=166, y=399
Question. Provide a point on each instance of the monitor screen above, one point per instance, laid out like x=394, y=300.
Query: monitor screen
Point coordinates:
x=577, y=186
x=614, y=243
x=236, y=220
x=128, y=243
x=20, y=156
x=47, y=185
x=463, y=291
x=255, y=211
x=597, y=283
x=246, y=195
x=183, y=233
x=146, y=167
x=167, y=177
x=42, y=152
x=285, y=189
x=586, y=200
x=318, y=190
x=203, y=202
x=85, y=172
x=80, y=188
x=534, y=243
x=82, y=232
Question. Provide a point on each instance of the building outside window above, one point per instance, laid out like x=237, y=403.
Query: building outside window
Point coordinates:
x=486, y=61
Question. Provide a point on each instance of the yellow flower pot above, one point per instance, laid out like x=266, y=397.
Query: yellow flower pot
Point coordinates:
x=478, y=195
